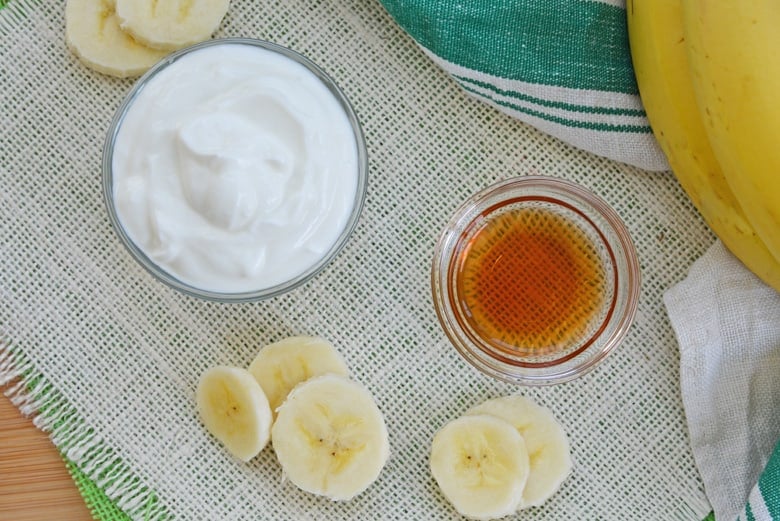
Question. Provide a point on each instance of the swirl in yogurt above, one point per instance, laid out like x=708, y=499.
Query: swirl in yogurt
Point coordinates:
x=235, y=169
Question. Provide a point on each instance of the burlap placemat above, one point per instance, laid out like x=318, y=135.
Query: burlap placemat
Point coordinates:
x=112, y=357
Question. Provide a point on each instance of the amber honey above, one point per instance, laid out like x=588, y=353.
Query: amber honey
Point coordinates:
x=531, y=282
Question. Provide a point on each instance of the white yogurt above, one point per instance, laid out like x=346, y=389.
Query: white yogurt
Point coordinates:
x=235, y=169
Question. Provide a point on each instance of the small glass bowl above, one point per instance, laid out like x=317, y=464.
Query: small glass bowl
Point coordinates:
x=251, y=294
x=582, y=230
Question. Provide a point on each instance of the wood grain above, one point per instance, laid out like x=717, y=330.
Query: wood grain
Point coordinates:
x=34, y=483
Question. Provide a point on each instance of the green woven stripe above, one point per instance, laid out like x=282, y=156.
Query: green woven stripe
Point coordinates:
x=769, y=483
x=101, y=507
x=749, y=513
x=529, y=40
x=573, y=123
x=587, y=109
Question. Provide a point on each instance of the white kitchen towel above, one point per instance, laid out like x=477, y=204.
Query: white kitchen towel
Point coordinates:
x=727, y=324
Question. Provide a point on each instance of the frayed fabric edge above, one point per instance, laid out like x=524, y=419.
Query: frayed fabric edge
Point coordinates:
x=38, y=399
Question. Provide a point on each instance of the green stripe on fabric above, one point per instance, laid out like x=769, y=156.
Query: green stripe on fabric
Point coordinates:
x=588, y=109
x=572, y=123
x=749, y=513
x=574, y=44
x=99, y=505
x=769, y=483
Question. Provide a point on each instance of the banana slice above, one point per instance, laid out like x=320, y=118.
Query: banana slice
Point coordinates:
x=172, y=24
x=92, y=33
x=481, y=465
x=279, y=367
x=234, y=409
x=330, y=437
x=548, y=446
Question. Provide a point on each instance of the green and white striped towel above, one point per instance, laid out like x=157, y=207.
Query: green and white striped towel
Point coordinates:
x=764, y=500
x=562, y=66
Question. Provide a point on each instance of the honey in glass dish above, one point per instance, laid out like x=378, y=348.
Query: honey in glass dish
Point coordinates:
x=535, y=280
x=530, y=281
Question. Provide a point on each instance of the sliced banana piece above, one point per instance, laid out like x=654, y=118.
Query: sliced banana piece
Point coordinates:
x=234, y=409
x=330, y=437
x=171, y=24
x=548, y=446
x=481, y=465
x=279, y=367
x=92, y=33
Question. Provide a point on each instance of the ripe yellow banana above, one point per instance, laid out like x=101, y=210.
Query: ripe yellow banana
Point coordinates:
x=658, y=50
x=734, y=56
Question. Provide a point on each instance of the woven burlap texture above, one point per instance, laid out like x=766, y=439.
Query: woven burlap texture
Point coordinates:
x=125, y=353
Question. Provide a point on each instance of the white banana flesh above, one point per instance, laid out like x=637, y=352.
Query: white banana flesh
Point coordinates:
x=281, y=366
x=481, y=465
x=330, y=437
x=234, y=409
x=170, y=24
x=93, y=34
x=548, y=447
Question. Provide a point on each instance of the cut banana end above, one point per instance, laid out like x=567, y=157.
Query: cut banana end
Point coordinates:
x=279, y=367
x=330, y=437
x=172, y=24
x=481, y=465
x=92, y=33
x=547, y=444
x=234, y=409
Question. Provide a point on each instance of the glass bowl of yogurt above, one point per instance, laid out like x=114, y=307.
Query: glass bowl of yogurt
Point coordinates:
x=235, y=170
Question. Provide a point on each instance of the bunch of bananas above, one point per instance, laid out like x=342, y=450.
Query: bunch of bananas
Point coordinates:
x=708, y=75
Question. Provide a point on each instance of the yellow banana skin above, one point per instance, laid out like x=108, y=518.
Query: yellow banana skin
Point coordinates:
x=658, y=50
x=734, y=56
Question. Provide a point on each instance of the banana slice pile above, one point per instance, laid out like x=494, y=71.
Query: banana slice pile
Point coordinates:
x=124, y=38
x=326, y=429
x=503, y=455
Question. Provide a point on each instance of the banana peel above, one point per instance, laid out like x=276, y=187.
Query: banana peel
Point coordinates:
x=660, y=57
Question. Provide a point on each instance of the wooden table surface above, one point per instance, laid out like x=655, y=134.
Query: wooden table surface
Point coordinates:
x=34, y=483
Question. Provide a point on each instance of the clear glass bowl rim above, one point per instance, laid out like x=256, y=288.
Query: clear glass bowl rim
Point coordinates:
x=252, y=295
